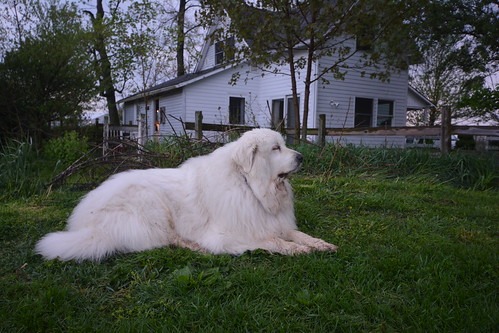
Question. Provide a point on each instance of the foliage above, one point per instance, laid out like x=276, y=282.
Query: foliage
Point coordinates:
x=458, y=40
x=22, y=165
x=127, y=47
x=47, y=78
x=66, y=149
x=132, y=46
x=415, y=255
x=25, y=170
x=479, y=102
x=172, y=151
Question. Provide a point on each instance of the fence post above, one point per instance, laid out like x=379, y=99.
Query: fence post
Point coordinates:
x=322, y=130
x=198, y=125
x=445, y=133
x=105, y=139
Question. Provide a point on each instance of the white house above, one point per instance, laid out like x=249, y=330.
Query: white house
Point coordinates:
x=263, y=100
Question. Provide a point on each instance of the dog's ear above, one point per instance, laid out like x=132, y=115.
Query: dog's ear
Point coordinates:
x=244, y=156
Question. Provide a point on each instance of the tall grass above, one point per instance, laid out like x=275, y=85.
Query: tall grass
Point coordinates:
x=19, y=169
x=463, y=169
x=174, y=150
x=24, y=170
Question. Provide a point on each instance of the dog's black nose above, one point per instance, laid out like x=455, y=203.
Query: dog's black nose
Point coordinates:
x=299, y=157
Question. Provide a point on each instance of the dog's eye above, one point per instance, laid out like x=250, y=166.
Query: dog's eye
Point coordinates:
x=276, y=147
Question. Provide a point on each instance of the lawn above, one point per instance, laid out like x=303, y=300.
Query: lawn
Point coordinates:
x=416, y=255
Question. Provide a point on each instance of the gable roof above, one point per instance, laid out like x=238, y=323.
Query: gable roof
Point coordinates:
x=416, y=100
x=173, y=84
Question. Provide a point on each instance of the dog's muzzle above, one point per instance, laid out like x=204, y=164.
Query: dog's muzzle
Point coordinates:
x=299, y=161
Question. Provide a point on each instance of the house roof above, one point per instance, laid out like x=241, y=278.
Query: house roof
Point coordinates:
x=416, y=100
x=173, y=84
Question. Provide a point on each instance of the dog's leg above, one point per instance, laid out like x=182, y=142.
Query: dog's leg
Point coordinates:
x=281, y=246
x=312, y=242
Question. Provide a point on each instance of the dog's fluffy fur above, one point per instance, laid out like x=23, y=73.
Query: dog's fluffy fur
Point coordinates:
x=235, y=199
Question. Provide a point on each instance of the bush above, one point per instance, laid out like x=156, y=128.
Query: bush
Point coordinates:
x=66, y=149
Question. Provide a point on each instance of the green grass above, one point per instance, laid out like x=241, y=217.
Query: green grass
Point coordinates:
x=417, y=254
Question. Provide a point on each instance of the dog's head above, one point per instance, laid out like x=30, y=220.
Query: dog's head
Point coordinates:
x=263, y=152
x=265, y=162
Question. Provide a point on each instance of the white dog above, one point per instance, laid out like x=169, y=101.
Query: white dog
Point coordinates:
x=235, y=199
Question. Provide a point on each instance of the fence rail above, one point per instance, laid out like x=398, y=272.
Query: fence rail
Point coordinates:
x=113, y=133
x=444, y=132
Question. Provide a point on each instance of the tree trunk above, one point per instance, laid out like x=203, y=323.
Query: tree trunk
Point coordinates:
x=181, y=38
x=308, y=76
x=294, y=90
x=103, y=65
x=306, y=98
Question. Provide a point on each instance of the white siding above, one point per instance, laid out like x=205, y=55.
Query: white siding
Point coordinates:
x=174, y=109
x=278, y=86
x=354, y=85
x=211, y=96
x=209, y=59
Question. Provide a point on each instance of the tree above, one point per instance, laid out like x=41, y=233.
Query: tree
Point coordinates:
x=183, y=33
x=438, y=78
x=270, y=34
x=102, y=29
x=181, y=37
x=479, y=102
x=48, y=77
x=458, y=40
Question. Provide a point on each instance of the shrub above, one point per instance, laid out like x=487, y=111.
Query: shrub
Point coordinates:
x=66, y=149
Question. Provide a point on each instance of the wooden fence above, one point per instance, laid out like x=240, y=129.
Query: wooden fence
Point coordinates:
x=113, y=135
x=444, y=132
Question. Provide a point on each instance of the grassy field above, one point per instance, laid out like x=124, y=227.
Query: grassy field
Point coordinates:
x=416, y=255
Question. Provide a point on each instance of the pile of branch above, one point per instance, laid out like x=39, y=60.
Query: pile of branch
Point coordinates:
x=115, y=160
x=125, y=155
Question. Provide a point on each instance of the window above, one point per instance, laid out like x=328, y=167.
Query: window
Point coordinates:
x=365, y=37
x=363, y=112
x=277, y=113
x=362, y=44
x=221, y=49
x=385, y=113
x=236, y=110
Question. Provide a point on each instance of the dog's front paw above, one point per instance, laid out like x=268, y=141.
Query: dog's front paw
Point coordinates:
x=321, y=245
x=296, y=249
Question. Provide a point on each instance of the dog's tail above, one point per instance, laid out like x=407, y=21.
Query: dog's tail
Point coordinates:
x=77, y=245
